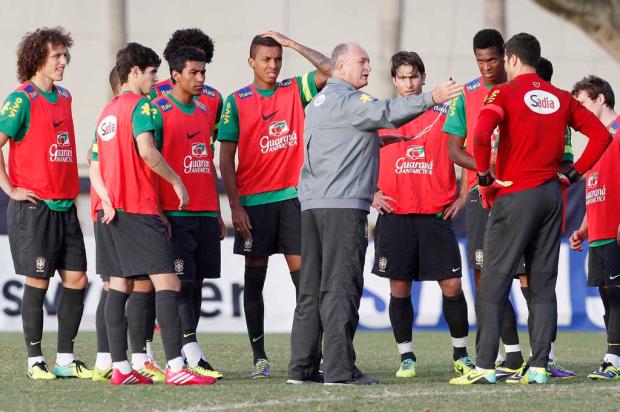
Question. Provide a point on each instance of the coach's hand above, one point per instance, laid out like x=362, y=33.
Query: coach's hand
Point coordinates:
x=447, y=91
x=380, y=202
x=20, y=194
x=454, y=208
x=222, y=227
x=576, y=239
x=109, y=212
x=181, y=191
x=241, y=222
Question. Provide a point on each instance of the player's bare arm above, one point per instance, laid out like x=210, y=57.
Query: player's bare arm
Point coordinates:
x=457, y=153
x=94, y=172
x=15, y=193
x=240, y=218
x=149, y=153
x=576, y=239
x=318, y=59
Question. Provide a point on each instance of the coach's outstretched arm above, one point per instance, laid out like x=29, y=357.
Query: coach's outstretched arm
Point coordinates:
x=318, y=59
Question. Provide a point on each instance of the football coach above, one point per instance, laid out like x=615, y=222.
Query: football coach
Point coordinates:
x=336, y=186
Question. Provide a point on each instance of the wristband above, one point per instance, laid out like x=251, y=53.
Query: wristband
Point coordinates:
x=486, y=180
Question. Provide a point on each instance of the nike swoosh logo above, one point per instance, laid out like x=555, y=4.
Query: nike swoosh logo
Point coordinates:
x=56, y=124
x=34, y=343
x=192, y=135
x=472, y=378
x=254, y=340
x=269, y=116
x=454, y=270
x=187, y=335
x=613, y=277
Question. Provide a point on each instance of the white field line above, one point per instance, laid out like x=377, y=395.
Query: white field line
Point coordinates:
x=389, y=395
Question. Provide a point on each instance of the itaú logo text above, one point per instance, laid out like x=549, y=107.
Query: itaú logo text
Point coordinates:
x=541, y=102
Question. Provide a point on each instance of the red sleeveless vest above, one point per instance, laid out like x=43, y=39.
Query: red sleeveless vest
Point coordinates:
x=418, y=173
x=603, y=191
x=187, y=150
x=270, y=138
x=127, y=177
x=44, y=161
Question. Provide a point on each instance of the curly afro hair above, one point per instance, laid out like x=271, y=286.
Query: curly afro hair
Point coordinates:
x=33, y=49
x=190, y=38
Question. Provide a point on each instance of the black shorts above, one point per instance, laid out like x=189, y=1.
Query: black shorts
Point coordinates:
x=43, y=241
x=416, y=247
x=133, y=245
x=604, y=265
x=196, y=246
x=476, y=218
x=276, y=228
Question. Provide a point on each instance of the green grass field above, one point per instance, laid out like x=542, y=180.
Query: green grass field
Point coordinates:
x=377, y=356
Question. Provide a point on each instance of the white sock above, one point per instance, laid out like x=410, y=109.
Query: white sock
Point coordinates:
x=460, y=342
x=124, y=367
x=500, y=357
x=613, y=359
x=405, y=347
x=538, y=370
x=552, y=352
x=63, y=359
x=512, y=348
x=138, y=360
x=176, y=364
x=149, y=349
x=479, y=369
x=35, y=359
x=103, y=361
x=192, y=353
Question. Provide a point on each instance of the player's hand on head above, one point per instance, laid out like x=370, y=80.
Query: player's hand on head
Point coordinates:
x=279, y=37
x=454, y=208
x=241, y=222
x=447, y=91
x=20, y=194
x=381, y=202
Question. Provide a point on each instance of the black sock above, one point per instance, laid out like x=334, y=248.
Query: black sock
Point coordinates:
x=136, y=311
x=613, y=330
x=167, y=309
x=70, y=310
x=102, y=335
x=150, y=316
x=401, y=318
x=254, y=308
x=455, y=312
x=526, y=294
x=603, y=293
x=32, y=319
x=295, y=279
x=197, y=303
x=116, y=324
x=186, y=311
x=510, y=336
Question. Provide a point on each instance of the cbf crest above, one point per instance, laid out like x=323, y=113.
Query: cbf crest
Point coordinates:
x=178, y=266
x=40, y=263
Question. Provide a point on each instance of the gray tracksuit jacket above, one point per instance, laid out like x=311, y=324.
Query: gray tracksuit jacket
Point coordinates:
x=341, y=154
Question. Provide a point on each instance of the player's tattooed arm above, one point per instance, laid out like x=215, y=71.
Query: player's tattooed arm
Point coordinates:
x=318, y=59
x=15, y=193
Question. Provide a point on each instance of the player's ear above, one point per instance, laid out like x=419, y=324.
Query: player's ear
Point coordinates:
x=423, y=79
x=251, y=62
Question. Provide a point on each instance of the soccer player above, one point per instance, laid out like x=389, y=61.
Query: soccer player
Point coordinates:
x=211, y=99
x=264, y=120
x=132, y=239
x=186, y=126
x=488, y=46
x=42, y=183
x=414, y=239
x=601, y=224
x=526, y=200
